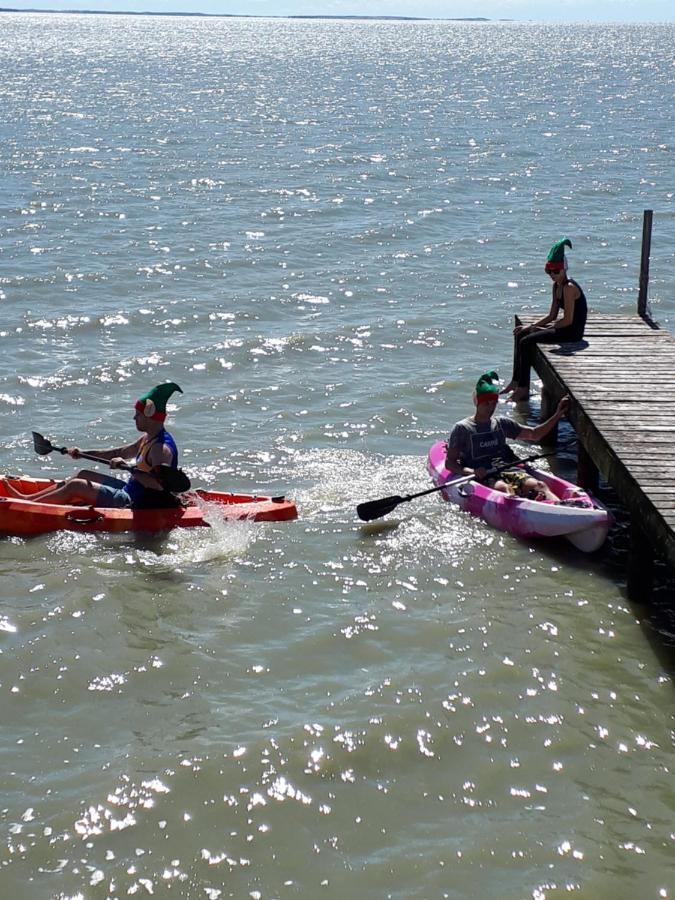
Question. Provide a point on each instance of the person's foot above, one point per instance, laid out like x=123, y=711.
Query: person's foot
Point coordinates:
x=519, y=394
x=511, y=386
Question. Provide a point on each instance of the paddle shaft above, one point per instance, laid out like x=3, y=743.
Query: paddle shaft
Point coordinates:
x=172, y=480
x=452, y=481
x=490, y=472
x=375, y=509
x=92, y=456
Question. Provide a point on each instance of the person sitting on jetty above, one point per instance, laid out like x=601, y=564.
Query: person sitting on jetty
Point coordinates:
x=479, y=443
x=156, y=447
x=567, y=298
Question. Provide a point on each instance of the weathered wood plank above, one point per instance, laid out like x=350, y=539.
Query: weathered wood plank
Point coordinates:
x=614, y=412
x=655, y=471
x=606, y=397
x=640, y=337
x=611, y=348
x=650, y=437
x=620, y=352
x=637, y=337
x=622, y=404
x=662, y=462
x=638, y=420
x=620, y=355
x=622, y=414
x=608, y=370
x=648, y=368
x=623, y=361
x=608, y=367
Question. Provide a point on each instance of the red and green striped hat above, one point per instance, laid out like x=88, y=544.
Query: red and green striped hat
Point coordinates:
x=556, y=261
x=487, y=387
x=153, y=404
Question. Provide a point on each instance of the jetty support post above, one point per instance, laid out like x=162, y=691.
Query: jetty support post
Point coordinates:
x=548, y=407
x=644, y=263
x=588, y=476
x=640, y=567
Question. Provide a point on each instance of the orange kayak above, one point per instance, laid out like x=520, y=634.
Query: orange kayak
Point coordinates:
x=26, y=517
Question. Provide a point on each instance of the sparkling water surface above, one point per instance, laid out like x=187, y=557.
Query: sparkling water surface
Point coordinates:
x=321, y=231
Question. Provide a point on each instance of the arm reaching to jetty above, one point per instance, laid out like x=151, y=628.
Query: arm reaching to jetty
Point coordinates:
x=534, y=435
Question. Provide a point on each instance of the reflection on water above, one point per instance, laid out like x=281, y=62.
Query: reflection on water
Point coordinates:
x=321, y=231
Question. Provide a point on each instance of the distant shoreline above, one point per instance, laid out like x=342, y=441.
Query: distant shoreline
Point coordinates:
x=199, y=15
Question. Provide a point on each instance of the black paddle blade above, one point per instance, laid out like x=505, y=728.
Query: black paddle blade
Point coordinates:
x=41, y=445
x=375, y=509
x=173, y=480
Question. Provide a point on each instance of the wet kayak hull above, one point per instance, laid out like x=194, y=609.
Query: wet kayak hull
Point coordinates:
x=25, y=517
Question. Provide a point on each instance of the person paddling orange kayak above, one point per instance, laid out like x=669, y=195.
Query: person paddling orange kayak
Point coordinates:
x=144, y=490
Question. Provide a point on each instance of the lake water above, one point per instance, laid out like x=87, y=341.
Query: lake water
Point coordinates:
x=321, y=231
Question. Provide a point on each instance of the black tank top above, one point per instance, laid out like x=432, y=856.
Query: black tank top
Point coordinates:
x=575, y=331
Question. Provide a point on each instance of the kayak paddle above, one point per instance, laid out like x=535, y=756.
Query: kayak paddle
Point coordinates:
x=375, y=509
x=173, y=480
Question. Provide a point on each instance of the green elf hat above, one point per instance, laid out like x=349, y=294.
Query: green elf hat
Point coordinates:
x=153, y=404
x=556, y=262
x=487, y=387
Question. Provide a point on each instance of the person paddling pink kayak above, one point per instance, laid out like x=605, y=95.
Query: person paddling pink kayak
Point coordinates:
x=479, y=442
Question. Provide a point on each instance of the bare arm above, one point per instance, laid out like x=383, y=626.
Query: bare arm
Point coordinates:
x=533, y=435
x=124, y=453
x=452, y=463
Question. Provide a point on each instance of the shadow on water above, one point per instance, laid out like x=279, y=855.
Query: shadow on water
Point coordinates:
x=374, y=529
x=146, y=541
x=657, y=617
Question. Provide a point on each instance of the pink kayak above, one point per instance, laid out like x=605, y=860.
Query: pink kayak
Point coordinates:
x=576, y=516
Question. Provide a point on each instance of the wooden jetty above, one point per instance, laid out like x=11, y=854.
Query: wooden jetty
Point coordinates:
x=620, y=379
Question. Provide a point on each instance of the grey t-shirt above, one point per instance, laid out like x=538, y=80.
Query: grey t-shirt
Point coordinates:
x=479, y=444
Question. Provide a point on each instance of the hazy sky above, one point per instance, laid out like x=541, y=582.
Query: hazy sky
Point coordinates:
x=536, y=10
